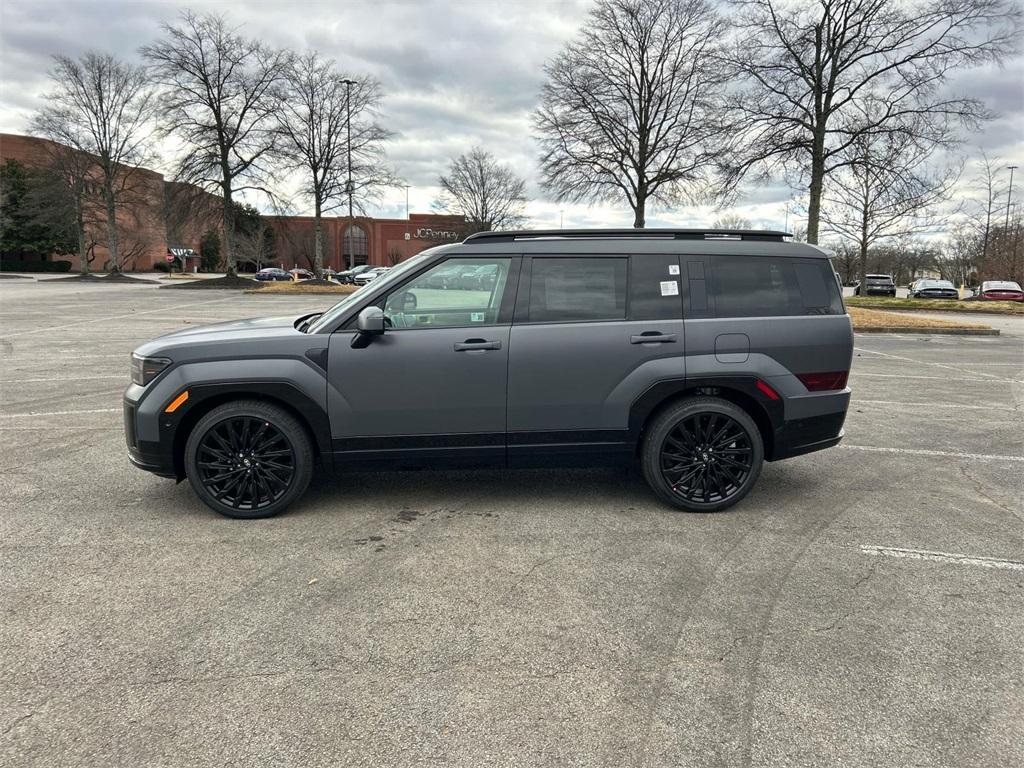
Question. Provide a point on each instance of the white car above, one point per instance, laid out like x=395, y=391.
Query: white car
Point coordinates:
x=362, y=278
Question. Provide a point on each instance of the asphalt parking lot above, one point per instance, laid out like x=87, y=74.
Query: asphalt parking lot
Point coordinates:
x=863, y=607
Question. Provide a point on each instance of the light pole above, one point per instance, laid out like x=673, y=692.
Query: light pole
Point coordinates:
x=1009, y=191
x=349, y=189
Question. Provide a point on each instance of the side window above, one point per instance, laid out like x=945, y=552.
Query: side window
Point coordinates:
x=579, y=289
x=819, y=292
x=654, y=287
x=762, y=286
x=453, y=294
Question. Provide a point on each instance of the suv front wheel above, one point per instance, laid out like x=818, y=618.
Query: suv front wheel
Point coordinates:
x=702, y=454
x=248, y=459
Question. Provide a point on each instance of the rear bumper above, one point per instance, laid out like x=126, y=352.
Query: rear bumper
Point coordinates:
x=813, y=423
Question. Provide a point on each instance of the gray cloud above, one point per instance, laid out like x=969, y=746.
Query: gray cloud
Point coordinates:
x=454, y=73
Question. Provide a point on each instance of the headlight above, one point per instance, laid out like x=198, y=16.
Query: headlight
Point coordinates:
x=145, y=369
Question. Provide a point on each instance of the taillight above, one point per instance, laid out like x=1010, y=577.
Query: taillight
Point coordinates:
x=823, y=382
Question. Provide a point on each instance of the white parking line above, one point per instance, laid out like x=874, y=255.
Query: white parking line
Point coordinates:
x=922, y=362
x=925, y=452
x=66, y=378
x=931, y=378
x=168, y=309
x=936, y=405
x=36, y=414
x=943, y=557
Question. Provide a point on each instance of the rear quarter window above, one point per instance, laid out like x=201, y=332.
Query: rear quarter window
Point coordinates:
x=762, y=286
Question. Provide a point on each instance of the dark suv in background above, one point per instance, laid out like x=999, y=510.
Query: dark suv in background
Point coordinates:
x=700, y=354
x=876, y=285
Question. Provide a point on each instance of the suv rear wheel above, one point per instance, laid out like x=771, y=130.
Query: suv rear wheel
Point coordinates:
x=702, y=454
x=248, y=459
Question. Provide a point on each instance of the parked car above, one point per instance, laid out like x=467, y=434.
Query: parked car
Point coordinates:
x=368, y=275
x=927, y=288
x=1000, y=290
x=346, y=275
x=876, y=285
x=445, y=277
x=298, y=273
x=272, y=273
x=577, y=356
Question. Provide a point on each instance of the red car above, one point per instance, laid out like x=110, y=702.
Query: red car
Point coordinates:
x=1001, y=290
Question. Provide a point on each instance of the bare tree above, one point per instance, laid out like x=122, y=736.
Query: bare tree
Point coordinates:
x=808, y=67
x=629, y=110
x=102, y=109
x=987, y=183
x=319, y=109
x=488, y=194
x=730, y=220
x=884, y=188
x=218, y=98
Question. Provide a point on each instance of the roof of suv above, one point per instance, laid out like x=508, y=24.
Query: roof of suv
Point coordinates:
x=690, y=241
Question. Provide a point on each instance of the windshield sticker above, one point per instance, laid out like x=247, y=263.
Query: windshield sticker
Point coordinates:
x=673, y=269
x=669, y=288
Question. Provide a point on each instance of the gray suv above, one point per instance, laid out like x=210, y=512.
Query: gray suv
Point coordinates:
x=700, y=354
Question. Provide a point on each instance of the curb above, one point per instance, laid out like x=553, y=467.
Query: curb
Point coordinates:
x=930, y=331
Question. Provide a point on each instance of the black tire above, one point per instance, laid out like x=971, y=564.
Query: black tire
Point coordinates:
x=248, y=459
x=711, y=437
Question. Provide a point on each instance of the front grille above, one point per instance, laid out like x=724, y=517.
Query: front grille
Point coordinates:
x=129, y=426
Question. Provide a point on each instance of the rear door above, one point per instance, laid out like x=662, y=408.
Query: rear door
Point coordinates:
x=590, y=334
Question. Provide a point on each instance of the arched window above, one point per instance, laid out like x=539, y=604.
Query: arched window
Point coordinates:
x=353, y=240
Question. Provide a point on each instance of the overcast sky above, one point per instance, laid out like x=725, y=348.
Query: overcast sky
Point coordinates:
x=455, y=74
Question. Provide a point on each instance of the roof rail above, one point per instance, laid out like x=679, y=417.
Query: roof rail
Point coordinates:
x=601, y=234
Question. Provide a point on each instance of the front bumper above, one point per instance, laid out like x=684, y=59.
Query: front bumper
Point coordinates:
x=155, y=457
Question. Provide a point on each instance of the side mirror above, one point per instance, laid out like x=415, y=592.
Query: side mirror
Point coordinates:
x=369, y=323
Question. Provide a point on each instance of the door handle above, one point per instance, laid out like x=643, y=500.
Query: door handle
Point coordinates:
x=471, y=344
x=653, y=337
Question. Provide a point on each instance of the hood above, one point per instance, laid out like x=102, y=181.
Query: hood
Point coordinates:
x=235, y=330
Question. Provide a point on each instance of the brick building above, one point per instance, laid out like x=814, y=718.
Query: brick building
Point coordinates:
x=158, y=222
x=382, y=242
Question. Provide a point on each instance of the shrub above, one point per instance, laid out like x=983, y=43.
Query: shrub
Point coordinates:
x=14, y=265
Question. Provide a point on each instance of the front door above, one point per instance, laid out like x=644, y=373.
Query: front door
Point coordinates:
x=434, y=385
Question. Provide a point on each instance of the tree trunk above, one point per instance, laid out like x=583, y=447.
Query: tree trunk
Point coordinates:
x=318, y=247
x=113, y=249
x=639, y=211
x=83, y=252
x=815, y=190
x=864, y=254
x=229, y=233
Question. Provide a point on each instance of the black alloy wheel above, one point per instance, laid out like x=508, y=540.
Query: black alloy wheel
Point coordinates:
x=702, y=454
x=246, y=463
x=706, y=458
x=248, y=459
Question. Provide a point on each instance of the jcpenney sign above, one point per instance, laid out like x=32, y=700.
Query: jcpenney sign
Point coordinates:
x=426, y=233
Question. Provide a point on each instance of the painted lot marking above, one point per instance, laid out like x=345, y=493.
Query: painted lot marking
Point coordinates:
x=35, y=414
x=168, y=309
x=991, y=379
x=922, y=362
x=926, y=405
x=925, y=452
x=66, y=378
x=943, y=557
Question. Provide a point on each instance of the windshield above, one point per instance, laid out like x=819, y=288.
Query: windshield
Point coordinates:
x=879, y=279
x=385, y=278
x=936, y=284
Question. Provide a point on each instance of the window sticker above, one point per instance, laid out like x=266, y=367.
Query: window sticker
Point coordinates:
x=669, y=288
x=673, y=269
x=476, y=317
